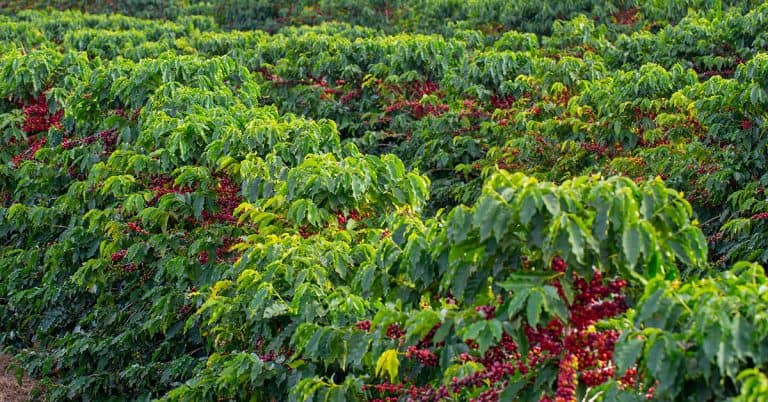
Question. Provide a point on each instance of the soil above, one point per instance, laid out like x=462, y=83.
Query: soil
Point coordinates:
x=10, y=390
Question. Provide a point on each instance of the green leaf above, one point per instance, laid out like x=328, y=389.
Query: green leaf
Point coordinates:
x=529, y=205
x=533, y=309
x=600, y=225
x=421, y=323
x=516, y=304
x=485, y=217
x=554, y=304
x=649, y=306
x=473, y=331
x=510, y=393
x=626, y=353
x=552, y=203
x=576, y=238
x=630, y=241
x=485, y=332
x=742, y=332
x=198, y=203
x=756, y=95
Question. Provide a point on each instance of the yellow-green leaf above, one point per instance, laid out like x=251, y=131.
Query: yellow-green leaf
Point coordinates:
x=388, y=363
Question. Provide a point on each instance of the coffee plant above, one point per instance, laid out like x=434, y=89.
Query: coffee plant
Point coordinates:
x=429, y=200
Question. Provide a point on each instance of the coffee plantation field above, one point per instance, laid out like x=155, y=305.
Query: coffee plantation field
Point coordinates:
x=423, y=200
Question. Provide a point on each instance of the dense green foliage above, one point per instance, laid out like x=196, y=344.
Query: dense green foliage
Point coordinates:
x=427, y=200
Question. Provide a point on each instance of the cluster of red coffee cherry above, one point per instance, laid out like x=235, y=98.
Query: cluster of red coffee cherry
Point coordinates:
x=582, y=353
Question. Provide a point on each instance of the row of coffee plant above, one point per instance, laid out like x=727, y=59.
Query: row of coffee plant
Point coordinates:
x=338, y=212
